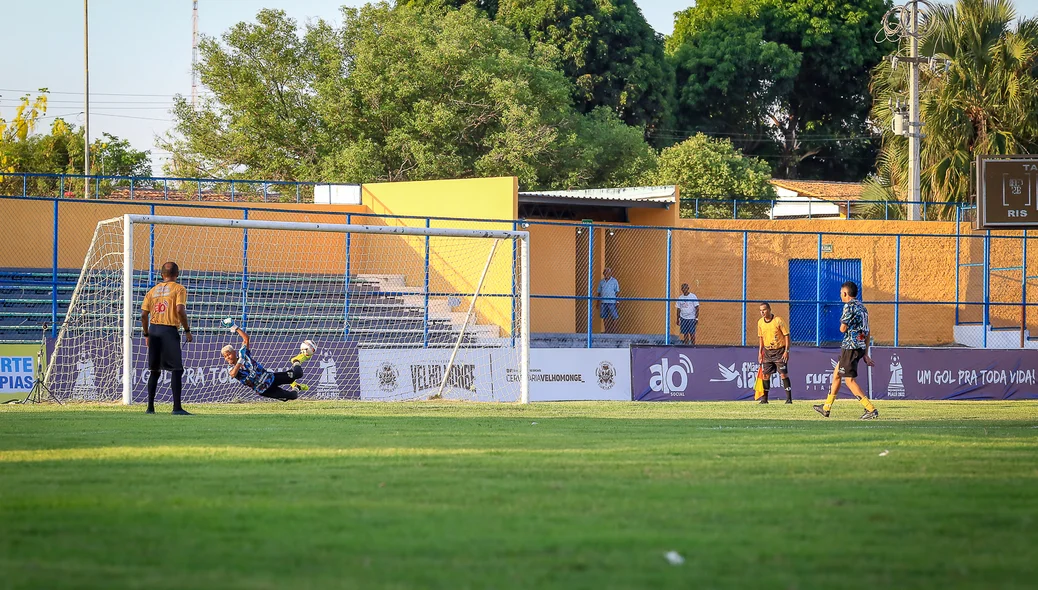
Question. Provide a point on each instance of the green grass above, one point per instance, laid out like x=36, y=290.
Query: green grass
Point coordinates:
x=361, y=495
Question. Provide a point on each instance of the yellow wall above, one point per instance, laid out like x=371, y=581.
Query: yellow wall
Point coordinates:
x=455, y=263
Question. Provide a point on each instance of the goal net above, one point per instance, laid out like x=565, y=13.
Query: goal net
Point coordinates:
x=397, y=313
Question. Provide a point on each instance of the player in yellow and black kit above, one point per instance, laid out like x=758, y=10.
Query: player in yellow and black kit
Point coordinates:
x=165, y=308
x=773, y=353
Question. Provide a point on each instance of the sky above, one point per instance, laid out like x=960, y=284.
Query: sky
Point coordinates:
x=140, y=55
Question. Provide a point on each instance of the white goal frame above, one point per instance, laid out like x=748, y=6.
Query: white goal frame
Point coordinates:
x=128, y=304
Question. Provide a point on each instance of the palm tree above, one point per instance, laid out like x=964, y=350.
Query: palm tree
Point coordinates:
x=986, y=102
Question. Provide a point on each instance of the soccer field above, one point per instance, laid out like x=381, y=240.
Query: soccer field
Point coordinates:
x=588, y=495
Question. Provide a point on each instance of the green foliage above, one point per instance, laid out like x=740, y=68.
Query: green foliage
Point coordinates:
x=712, y=169
x=606, y=48
x=23, y=149
x=404, y=93
x=800, y=68
x=986, y=103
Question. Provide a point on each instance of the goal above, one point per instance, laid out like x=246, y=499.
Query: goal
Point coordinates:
x=397, y=312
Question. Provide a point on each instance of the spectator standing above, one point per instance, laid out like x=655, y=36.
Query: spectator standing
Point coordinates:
x=688, y=315
x=608, y=289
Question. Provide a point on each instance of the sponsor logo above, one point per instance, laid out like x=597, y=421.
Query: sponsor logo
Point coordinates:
x=425, y=377
x=744, y=376
x=819, y=382
x=387, y=377
x=328, y=379
x=606, y=374
x=85, y=387
x=671, y=379
x=896, y=386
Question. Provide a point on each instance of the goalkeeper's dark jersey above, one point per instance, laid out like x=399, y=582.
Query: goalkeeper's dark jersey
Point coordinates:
x=252, y=374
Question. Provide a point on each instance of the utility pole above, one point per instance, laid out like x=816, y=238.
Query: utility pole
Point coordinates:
x=194, y=55
x=915, y=127
x=901, y=23
x=86, y=101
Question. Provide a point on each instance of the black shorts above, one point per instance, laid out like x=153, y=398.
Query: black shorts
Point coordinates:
x=773, y=361
x=688, y=325
x=164, y=348
x=848, y=365
x=283, y=378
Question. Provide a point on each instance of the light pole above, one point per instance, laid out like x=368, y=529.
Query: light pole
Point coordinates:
x=86, y=101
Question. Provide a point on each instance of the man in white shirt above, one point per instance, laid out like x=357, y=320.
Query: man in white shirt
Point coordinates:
x=608, y=289
x=688, y=315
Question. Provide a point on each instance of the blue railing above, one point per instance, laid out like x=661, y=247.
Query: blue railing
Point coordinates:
x=28, y=184
x=740, y=207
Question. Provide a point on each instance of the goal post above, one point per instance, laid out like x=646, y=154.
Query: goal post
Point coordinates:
x=386, y=305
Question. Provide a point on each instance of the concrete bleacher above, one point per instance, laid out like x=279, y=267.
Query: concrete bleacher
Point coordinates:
x=381, y=310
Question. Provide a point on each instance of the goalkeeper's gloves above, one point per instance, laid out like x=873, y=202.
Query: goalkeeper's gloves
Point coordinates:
x=229, y=324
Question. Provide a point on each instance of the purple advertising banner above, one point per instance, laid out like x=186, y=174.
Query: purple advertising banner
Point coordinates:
x=704, y=373
x=333, y=373
x=88, y=369
x=954, y=374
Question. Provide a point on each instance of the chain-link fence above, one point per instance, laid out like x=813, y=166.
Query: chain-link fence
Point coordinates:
x=933, y=284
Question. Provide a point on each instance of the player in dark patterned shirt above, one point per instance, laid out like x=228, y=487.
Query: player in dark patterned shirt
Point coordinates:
x=854, y=323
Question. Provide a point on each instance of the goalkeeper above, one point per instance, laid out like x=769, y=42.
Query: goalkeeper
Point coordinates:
x=251, y=374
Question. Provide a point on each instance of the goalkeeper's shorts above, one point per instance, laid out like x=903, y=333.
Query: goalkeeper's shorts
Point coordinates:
x=164, y=348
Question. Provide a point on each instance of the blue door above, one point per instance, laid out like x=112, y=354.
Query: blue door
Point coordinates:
x=804, y=313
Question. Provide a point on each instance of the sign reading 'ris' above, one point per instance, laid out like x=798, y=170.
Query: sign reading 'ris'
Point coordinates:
x=1007, y=192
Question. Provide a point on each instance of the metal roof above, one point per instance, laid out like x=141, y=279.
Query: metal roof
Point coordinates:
x=636, y=196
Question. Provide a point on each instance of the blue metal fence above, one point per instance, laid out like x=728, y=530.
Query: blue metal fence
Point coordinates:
x=961, y=302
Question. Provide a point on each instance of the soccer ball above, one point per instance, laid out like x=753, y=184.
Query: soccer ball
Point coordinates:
x=307, y=347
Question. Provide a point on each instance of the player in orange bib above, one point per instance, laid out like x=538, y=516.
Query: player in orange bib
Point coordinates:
x=164, y=309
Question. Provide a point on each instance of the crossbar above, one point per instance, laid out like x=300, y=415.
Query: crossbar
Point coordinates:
x=326, y=227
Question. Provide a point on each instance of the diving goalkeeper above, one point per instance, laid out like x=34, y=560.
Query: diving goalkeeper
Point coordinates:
x=251, y=374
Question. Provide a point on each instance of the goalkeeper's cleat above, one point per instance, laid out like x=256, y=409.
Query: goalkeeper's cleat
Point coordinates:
x=181, y=412
x=299, y=387
x=870, y=415
x=821, y=410
x=301, y=358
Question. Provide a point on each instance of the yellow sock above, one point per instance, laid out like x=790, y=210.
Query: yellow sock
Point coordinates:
x=829, y=402
x=867, y=403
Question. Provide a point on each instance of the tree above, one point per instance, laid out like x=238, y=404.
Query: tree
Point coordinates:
x=985, y=103
x=814, y=110
x=711, y=169
x=404, y=93
x=605, y=47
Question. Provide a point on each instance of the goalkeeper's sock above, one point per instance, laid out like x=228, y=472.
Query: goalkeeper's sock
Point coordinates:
x=177, y=385
x=789, y=389
x=153, y=384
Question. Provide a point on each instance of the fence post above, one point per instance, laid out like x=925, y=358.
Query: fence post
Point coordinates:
x=199, y=189
x=165, y=189
x=697, y=207
x=958, y=217
x=425, y=319
x=745, y=244
x=54, y=278
x=131, y=188
x=590, y=277
x=297, y=192
x=1023, y=292
x=666, y=288
x=61, y=187
x=818, y=293
x=245, y=273
x=264, y=192
x=232, y=197
x=151, y=249
x=25, y=184
x=987, y=285
x=346, y=287
x=735, y=209
x=897, y=287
